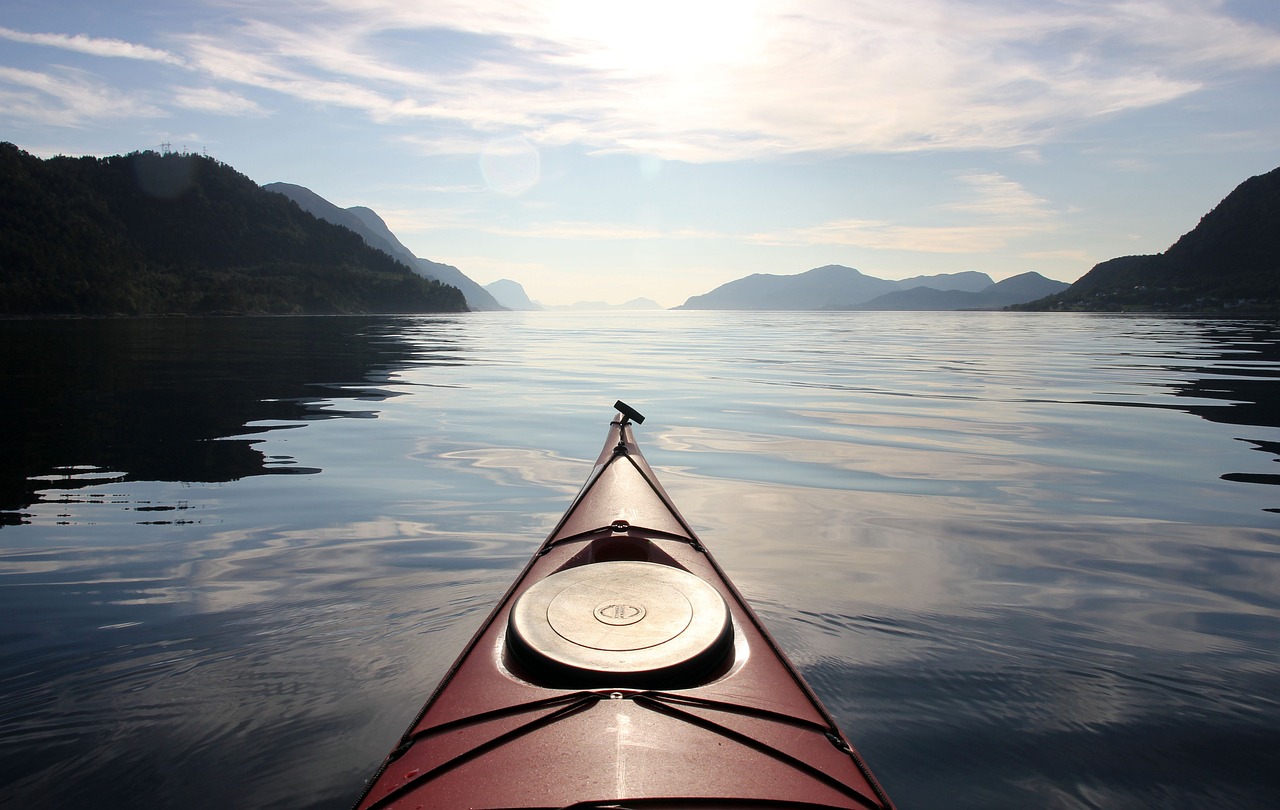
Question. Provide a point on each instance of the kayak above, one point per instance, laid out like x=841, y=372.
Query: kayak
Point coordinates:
x=622, y=669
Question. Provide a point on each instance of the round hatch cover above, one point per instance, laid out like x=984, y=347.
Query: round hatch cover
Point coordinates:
x=620, y=622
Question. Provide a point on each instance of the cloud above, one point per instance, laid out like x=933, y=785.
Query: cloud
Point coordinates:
x=94, y=46
x=716, y=80
x=996, y=197
x=994, y=212
x=213, y=100
x=264, y=70
x=426, y=220
x=596, y=231
x=576, y=231
x=423, y=220
x=733, y=80
x=881, y=235
x=991, y=212
x=67, y=97
x=1080, y=256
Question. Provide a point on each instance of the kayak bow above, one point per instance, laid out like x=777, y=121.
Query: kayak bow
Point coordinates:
x=622, y=669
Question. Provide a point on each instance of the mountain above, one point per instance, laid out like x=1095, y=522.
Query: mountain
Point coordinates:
x=1014, y=290
x=1229, y=262
x=150, y=233
x=968, y=281
x=375, y=232
x=823, y=286
x=831, y=287
x=511, y=295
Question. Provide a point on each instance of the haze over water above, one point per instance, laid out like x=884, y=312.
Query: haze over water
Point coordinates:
x=1026, y=560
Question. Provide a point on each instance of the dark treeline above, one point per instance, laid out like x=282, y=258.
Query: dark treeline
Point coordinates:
x=149, y=233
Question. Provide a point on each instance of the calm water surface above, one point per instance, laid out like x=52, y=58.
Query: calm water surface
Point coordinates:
x=1028, y=561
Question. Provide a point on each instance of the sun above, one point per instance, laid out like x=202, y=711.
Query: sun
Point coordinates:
x=659, y=37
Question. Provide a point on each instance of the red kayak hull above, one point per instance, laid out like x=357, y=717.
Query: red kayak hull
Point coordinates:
x=732, y=724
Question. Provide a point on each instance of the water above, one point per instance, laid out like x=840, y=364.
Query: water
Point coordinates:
x=1026, y=560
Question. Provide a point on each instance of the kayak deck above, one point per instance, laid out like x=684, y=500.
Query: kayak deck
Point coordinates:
x=623, y=669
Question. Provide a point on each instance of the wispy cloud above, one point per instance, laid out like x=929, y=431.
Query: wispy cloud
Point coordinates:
x=1070, y=255
x=597, y=231
x=426, y=220
x=67, y=97
x=214, y=100
x=423, y=220
x=994, y=212
x=576, y=231
x=94, y=46
x=881, y=235
x=721, y=81
x=715, y=80
x=997, y=198
x=989, y=213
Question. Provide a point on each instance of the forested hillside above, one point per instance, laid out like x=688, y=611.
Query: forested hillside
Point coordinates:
x=149, y=233
x=1229, y=262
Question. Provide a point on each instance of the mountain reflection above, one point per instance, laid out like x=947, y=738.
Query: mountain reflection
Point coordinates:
x=1243, y=373
x=174, y=399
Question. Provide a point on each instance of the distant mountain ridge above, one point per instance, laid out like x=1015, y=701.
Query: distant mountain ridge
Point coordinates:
x=830, y=285
x=1013, y=290
x=511, y=295
x=371, y=227
x=966, y=281
x=1229, y=262
x=835, y=286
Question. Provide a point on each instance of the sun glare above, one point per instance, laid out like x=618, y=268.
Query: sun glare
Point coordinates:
x=658, y=37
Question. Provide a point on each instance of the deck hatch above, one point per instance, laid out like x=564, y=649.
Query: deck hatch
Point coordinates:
x=620, y=622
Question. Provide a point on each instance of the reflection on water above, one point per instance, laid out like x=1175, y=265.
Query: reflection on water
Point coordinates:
x=1243, y=376
x=175, y=400
x=1027, y=561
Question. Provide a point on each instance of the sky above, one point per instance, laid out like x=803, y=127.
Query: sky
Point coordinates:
x=598, y=150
